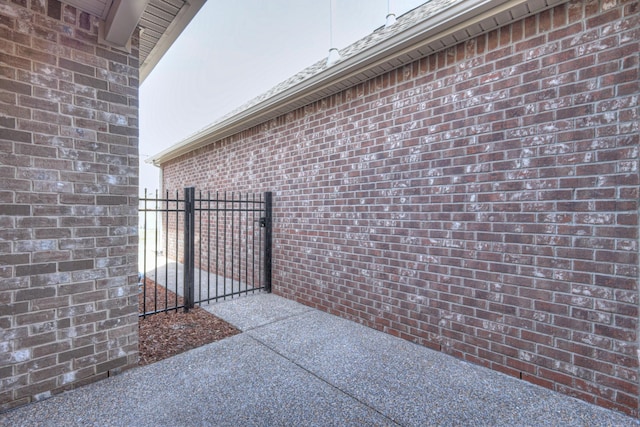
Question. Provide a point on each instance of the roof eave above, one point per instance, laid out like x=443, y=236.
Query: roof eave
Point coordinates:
x=177, y=26
x=121, y=22
x=445, y=29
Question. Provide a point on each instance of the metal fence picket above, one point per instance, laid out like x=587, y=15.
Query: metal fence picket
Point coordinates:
x=225, y=224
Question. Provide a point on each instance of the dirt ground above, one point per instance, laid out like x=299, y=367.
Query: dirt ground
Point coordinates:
x=164, y=335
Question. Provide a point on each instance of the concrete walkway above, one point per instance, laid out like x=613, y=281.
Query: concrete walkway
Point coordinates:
x=295, y=366
x=169, y=273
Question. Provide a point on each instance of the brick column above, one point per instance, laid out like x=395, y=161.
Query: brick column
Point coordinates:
x=68, y=202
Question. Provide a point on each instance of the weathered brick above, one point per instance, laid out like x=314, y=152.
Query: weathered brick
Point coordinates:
x=33, y=269
x=36, y=317
x=89, y=297
x=507, y=171
x=38, y=174
x=77, y=67
x=46, y=117
x=111, y=55
x=15, y=135
x=75, y=353
x=35, y=389
x=37, y=293
x=15, y=87
x=49, y=256
x=112, y=200
x=13, y=309
x=123, y=130
x=120, y=362
x=38, y=103
x=75, y=265
x=54, y=9
x=90, y=81
x=52, y=233
x=8, y=259
x=49, y=125
x=35, y=151
x=112, y=97
x=90, y=124
x=17, y=210
x=8, y=122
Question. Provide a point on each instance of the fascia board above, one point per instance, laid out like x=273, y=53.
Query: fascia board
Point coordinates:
x=121, y=21
x=177, y=26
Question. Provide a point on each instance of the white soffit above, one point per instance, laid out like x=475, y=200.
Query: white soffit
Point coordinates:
x=161, y=22
x=435, y=28
x=116, y=29
x=99, y=8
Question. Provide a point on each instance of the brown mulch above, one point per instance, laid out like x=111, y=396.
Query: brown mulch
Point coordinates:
x=164, y=335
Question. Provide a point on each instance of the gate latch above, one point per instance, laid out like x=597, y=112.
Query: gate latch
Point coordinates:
x=263, y=222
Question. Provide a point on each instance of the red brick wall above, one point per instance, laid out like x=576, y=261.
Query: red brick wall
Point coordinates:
x=69, y=168
x=482, y=201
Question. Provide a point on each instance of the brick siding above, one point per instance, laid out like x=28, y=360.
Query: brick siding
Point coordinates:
x=68, y=205
x=482, y=201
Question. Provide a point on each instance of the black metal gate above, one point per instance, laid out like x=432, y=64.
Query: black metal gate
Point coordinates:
x=194, y=250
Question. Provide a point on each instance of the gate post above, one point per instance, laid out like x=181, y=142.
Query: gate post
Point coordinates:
x=267, y=239
x=189, y=247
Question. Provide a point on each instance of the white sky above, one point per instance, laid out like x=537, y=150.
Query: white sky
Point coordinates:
x=234, y=51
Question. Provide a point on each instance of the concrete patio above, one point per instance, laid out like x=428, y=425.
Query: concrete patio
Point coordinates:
x=296, y=366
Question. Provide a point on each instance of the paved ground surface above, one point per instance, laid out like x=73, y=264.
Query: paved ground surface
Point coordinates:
x=295, y=366
x=169, y=273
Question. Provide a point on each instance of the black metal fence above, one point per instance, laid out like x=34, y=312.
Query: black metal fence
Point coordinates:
x=200, y=249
